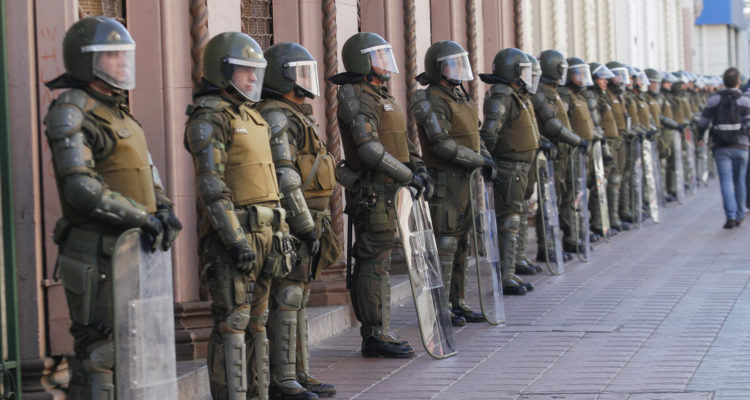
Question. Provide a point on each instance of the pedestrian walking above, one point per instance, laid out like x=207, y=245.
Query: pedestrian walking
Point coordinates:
x=728, y=112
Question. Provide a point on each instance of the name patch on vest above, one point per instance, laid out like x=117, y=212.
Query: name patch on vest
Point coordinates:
x=240, y=130
x=387, y=107
x=123, y=133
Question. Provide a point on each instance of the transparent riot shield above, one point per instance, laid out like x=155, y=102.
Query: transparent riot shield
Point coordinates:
x=636, y=183
x=658, y=176
x=602, y=208
x=702, y=159
x=580, y=204
x=545, y=179
x=420, y=251
x=652, y=185
x=144, y=320
x=679, y=167
x=486, y=249
x=690, y=179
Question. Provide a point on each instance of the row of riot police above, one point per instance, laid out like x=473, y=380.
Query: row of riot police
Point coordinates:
x=264, y=179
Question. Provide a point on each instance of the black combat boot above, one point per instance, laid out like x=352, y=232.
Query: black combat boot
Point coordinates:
x=375, y=348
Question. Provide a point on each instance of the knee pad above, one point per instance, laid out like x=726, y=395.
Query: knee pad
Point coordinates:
x=614, y=180
x=290, y=297
x=101, y=357
x=237, y=320
x=447, y=244
x=511, y=223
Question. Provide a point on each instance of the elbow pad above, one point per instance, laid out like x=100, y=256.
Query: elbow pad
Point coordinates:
x=87, y=195
x=468, y=158
x=225, y=221
x=293, y=200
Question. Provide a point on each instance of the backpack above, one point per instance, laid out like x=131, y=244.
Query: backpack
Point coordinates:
x=727, y=128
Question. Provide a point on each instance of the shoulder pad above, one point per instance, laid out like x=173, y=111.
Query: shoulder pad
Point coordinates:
x=211, y=101
x=495, y=109
x=76, y=97
x=420, y=105
x=348, y=97
x=564, y=91
x=500, y=89
x=63, y=120
x=198, y=135
x=276, y=119
x=539, y=100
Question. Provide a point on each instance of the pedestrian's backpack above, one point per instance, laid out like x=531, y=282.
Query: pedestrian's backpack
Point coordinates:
x=727, y=128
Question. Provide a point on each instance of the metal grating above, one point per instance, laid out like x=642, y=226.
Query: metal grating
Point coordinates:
x=108, y=8
x=257, y=21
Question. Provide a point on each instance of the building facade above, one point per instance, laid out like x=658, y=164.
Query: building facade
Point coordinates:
x=170, y=37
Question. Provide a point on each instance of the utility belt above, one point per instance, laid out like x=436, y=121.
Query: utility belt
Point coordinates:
x=255, y=218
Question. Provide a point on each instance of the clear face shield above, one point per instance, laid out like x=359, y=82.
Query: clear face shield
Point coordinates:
x=382, y=57
x=622, y=77
x=654, y=87
x=580, y=75
x=524, y=74
x=668, y=77
x=456, y=67
x=536, y=76
x=563, y=68
x=247, y=77
x=641, y=80
x=114, y=63
x=304, y=74
x=602, y=72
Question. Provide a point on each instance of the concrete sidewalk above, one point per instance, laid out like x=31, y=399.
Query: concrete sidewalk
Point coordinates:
x=659, y=313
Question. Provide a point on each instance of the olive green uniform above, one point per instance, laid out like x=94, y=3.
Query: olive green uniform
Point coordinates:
x=511, y=135
x=552, y=119
x=619, y=148
x=238, y=202
x=661, y=113
x=306, y=173
x=672, y=107
x=373, y=134
x=448, y=124
x=105, y=183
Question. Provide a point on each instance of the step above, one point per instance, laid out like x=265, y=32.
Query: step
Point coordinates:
x=323, y=323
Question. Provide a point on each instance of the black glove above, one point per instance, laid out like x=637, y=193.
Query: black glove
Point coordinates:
x=422, y=181
x=651, y=135
x=546, y=145
x=311, y=240
x=489, y=170
x=153, y=230
x=172, y=225
x=583, y=145
x=243, y=256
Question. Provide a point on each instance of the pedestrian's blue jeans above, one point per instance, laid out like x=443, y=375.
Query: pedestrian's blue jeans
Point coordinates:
x=731, y=164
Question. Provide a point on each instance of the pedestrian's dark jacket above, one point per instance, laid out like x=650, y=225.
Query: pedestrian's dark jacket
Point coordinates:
x=739, y=123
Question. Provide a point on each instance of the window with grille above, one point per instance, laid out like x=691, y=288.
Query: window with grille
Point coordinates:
x=257, y=21
x=108, y=8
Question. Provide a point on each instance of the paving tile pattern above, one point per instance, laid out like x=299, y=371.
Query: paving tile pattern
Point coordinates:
x=662, y=312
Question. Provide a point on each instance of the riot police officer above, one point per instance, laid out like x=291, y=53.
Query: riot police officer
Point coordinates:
x=306, y=173
x=509, y=132
x=379, y=160
x=448, y=125
x=661, y=112
x=554, y=124
x=106, y=184
x=243, y=236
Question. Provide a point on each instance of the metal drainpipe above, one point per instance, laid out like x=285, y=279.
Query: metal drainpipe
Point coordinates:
x=10, y=382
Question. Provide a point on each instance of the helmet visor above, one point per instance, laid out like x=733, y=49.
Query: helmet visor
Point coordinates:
x=669, y=77
x=642, y=81
x=654, y=86
x=524, y=73
x=536, y=76
x=381, y=56
x=247, y=76
x=602, y=72
x=456, y=67
x=622, y=77
x=304, y=74
x=114, y=64
x=563, y=74
x=580, y=75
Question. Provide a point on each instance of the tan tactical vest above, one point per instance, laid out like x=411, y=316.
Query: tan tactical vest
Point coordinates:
x=127, y=170
x=655, y=109
x=618, y=110
x=324, y=180
x=666, y=108
x=580, y=117
x=250, y=173
x=608, y=123
x=520, y=134
x=632, y=107
x=391, y=129
x=464, y=128
x=644, y=115
x=562, y=113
